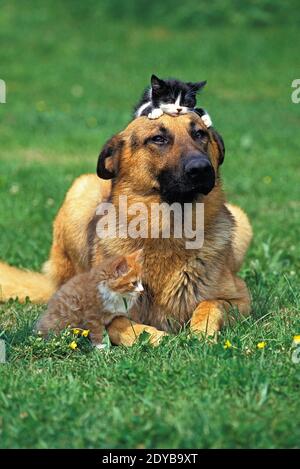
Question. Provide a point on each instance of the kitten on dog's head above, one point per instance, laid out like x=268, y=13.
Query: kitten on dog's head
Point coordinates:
x=175, y=92
x=158, y=85
x=174, y=96
x=170, y=96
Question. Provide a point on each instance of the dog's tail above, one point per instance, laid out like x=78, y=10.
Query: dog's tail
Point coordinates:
x=17, y=283
x=242, y=235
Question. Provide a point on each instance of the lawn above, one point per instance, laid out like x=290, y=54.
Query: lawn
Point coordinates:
x=73, y=71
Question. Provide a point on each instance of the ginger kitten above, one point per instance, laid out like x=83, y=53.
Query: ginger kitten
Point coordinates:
x=92, y=299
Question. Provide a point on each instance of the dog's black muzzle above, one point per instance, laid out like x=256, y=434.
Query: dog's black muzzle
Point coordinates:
x=194, y=176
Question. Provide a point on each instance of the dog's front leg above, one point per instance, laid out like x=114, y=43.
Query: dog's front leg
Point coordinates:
x=208, y=318
x=123, y=331
x=210, y=315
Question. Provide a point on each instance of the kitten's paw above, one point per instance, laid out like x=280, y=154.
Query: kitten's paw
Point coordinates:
x=155, y=114
x=207, y=120
x=101, y=347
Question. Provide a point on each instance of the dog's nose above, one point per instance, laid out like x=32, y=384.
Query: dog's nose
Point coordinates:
x=196, y=167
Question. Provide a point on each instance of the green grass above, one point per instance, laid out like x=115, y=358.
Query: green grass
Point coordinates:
x=74, y=71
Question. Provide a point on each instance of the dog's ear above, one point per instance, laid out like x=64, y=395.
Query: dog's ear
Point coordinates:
x=108, y=160
x=220, y=143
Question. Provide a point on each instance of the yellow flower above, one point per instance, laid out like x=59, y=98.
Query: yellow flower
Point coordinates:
x=296, y=339
x=76, y=331
x=227, y=344
x=267, y=179
x=261, y=345
x=85, y=332
x=73, y=345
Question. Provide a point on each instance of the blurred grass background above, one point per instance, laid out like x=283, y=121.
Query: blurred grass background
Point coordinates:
x=74, y=71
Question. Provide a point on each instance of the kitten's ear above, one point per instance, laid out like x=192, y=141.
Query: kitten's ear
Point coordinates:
x=136, y=256
x=157, y=83
x=197, y=86
x=108, y=160
x=120, y=266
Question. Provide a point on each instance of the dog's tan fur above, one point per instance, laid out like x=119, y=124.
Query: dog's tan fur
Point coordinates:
x=200, y=286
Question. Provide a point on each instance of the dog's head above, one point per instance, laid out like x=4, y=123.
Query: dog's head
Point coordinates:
x=175, y=158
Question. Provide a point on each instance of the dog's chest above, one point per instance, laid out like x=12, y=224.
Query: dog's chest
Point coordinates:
x=185, y=287
x=176, y=287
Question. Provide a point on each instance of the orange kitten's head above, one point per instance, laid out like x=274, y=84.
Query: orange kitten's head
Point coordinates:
x=124, y=274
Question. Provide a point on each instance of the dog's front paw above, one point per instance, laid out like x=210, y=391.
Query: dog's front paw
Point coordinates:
x=155, y=114
x=155, y=335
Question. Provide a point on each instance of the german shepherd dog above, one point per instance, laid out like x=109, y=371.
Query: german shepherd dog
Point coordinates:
x=153, y=161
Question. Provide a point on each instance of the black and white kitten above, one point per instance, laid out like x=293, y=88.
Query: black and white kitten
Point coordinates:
x=172, y=97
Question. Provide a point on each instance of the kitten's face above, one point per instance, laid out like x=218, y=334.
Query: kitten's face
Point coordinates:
x=168, y=106
x=174, y=97
x=125, y=275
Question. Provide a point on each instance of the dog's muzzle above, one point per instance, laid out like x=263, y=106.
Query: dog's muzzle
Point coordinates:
x=195, y=176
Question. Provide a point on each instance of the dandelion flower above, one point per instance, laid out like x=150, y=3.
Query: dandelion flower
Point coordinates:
x=296, y=339
x=73, y=345
x=14, y=189
x=261, y=345
x=227, y=344
x=76, y=331
x=85, y=332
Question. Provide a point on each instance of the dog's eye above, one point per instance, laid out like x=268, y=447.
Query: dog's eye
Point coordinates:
x=199, y=134
x=159, y=140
